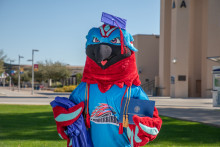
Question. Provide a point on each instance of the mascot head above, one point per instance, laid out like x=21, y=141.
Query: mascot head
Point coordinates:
x=104, y=45
x=110, y=55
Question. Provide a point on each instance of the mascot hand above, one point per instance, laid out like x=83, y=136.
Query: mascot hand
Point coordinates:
x=144, y=130
x=65, y=117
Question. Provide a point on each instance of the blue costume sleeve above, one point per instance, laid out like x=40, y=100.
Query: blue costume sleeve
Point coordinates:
x=78, y=95
x=138, y=93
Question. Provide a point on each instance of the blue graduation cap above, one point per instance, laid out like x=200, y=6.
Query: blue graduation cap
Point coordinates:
x=113, y=20
x=117, y=22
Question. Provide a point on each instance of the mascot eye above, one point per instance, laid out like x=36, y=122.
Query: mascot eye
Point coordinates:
x=115, y=40
x=95, y=40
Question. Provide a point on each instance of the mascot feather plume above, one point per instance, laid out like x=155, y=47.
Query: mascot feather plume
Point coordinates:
x=110, y=76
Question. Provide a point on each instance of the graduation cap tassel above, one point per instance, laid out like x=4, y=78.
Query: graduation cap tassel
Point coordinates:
x=122, y=41
x=125, y=124
x=126, y=116
x=126, y=121
x=123, y=47
x=120, y=128
x=87, y=120
x=121, y=38
x=121, y=124
x=85, y=109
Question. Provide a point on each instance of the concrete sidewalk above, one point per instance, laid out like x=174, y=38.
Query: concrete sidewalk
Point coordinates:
x=24, y=96
x=191, y=109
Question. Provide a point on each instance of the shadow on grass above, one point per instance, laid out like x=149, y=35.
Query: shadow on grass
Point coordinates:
x=186, y=133
x=33, y=126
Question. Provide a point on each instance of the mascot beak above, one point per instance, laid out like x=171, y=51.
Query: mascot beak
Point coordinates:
x=103, y=53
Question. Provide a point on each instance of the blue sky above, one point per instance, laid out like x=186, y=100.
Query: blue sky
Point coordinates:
x=58, y=27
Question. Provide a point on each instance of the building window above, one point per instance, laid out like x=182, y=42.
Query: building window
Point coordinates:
x=174, y=4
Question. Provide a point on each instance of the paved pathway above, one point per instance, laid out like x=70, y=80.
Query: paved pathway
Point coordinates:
x=24, y=96
x=192, y=109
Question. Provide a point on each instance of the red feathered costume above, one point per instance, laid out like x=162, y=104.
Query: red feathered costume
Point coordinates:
x=123, y=73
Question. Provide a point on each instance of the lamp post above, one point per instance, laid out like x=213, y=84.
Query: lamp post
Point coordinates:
x=19, y=74
x=33, y=50
x=10, y=73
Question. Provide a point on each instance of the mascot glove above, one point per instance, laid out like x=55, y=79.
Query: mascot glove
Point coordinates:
x=65, y=117
x=144, y=130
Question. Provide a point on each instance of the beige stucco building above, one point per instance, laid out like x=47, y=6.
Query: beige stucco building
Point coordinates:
x=147, y=57
x=189, y=33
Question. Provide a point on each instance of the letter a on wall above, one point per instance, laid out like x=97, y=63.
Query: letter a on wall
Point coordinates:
x=183, y=4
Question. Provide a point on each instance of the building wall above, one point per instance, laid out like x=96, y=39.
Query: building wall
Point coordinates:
x=213, y=40
x=192, y=34
x=195, y=50
x=147, y=57
x=164, y=47
x=204, y=49
x=180, y=44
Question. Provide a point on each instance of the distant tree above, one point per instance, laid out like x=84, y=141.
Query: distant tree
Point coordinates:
x=61, y=72
x=56, y=71
x=25, y=77
x=49, y=70
x=14, y=78
x=78, y=78
x=41, y=74
x=2, y=58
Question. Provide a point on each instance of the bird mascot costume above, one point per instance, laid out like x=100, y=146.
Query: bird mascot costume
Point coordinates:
x=105, y=110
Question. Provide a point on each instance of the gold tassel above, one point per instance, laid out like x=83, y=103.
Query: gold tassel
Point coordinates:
x=126, y=121
x=126, y=124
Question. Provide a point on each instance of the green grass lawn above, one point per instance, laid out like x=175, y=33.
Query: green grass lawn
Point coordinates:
x=34, y=126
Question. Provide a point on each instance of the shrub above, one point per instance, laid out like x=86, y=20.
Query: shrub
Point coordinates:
x=78, y=78
x=69, y=88
x=59, y=90
x=65, y=88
